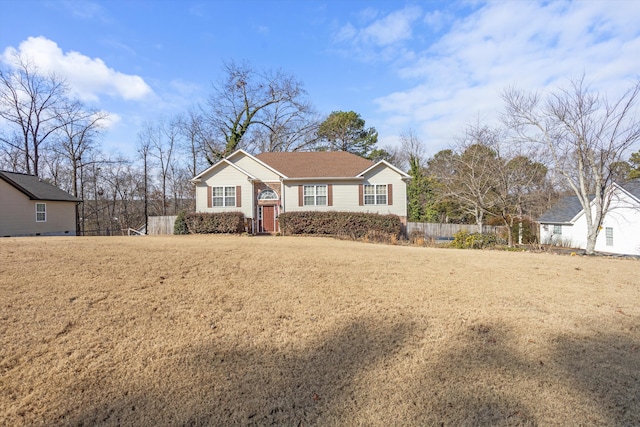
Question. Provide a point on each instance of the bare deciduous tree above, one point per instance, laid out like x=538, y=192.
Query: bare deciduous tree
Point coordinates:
x=585, y=136
x=289, y=127
x=77, y=136
x=196, y=136
x=467, y=175
x=163, y=139
x=243, y=100
x=30, y=103
x=144, y=149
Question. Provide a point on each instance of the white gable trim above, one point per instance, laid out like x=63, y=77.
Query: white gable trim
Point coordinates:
x=198, y=178
x=609, y=194
x=387, y=164
x=634, y=198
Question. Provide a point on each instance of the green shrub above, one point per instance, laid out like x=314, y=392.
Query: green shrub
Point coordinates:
x=219, y=222
x=465, y=240
x=180, y=226
x=355, y=225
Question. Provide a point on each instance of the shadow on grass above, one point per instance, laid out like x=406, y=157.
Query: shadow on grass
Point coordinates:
x=470, y=383
x=605, y=368
x=483, y=379
x=301, y=386
x=250, y=385
x=480, y=379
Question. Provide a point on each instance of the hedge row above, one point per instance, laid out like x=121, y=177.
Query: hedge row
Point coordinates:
x=354, y=224
x=207, y=223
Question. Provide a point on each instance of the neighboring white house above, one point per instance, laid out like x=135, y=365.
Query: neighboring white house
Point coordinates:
x=565, y=224
x=32, y=207
x=263, y=186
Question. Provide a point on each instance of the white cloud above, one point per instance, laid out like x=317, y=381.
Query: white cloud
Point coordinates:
x=111, y=121
x=87, y=77
x=536, y=46
x=393, y=28
x=384, y=32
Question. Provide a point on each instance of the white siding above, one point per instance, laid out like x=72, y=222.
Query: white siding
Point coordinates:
x=384, y=175
x=623, y=217
x=225, y=175
x=254, y=168
x=346, y=194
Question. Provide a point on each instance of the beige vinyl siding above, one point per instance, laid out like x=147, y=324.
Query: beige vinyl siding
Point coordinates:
x=345, y=194
x=345, y=199
x=254, y=168
x=18, y=215
x=384, y=175
x=225, y=176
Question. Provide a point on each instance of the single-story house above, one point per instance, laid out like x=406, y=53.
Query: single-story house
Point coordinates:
x=32, y=207
x=265, y=185
x=565, y=223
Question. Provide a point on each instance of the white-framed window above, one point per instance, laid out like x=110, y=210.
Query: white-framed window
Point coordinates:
x=41, y=212
x=315, y=195
x=557, y=230
x=375, y=194
x=223, y=196
x=608, y=231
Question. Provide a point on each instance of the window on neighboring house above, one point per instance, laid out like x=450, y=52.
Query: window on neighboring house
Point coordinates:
x=41, y=212
x=315, y=195
x=557, y=229
x=608, y=231
x=375, y=194
x=223, y=196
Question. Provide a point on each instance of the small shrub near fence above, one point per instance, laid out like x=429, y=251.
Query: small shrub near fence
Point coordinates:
x=208, y=223
x=465, y=240
x=355, y=225
x=180, y=226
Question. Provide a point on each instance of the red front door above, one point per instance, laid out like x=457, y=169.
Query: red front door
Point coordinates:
x=268, y=219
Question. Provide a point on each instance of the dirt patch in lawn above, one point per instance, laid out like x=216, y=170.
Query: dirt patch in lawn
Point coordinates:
x=226, y=330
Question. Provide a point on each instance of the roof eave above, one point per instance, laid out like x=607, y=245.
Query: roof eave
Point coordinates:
x=387, y=164
x=198, y=178
x=325, y=178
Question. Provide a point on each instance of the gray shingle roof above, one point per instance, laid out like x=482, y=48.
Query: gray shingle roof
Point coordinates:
x=633, y=187
x=35, y=188
x=563, y=211
x=569, y=206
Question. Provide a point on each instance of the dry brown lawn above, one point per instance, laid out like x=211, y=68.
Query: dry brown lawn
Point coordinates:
x=229, y=330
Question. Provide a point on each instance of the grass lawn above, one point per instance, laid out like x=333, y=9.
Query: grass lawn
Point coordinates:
x=298, y=331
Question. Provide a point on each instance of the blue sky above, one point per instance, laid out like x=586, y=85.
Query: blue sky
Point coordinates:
x=429, y=66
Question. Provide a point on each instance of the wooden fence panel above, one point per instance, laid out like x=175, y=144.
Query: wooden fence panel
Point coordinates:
x=161, y=224
x=438, y=230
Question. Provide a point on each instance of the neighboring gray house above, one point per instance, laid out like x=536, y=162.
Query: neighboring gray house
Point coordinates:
x=263, y=186
x=565, y=223
x=32, y=207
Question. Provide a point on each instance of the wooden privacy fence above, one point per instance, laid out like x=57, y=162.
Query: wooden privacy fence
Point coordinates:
x=161, y=224
x=439, y=231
